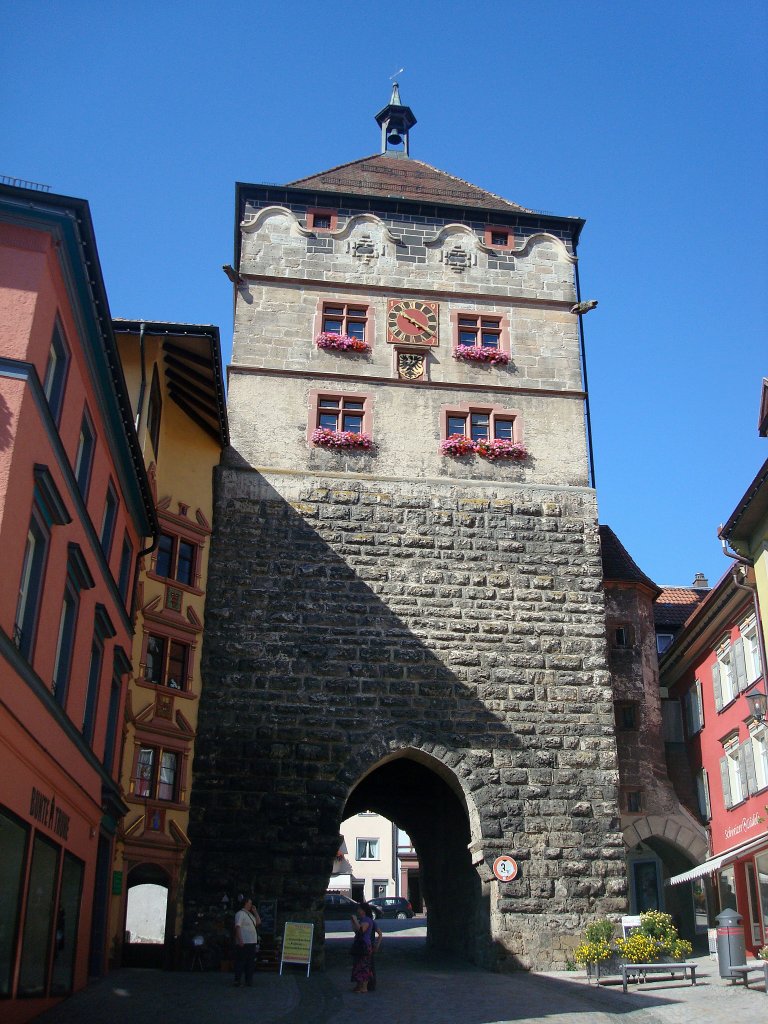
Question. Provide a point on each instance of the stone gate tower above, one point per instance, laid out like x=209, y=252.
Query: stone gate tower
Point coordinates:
x=404, y=608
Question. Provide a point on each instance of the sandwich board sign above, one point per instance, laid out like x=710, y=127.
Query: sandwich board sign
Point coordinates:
x=297, y=944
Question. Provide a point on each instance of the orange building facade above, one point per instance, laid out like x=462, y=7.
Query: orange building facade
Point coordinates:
x=75, y=507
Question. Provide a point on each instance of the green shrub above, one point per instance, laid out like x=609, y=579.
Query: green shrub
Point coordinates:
x=600, y=931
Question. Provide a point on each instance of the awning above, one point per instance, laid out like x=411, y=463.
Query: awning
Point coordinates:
x=715, y=863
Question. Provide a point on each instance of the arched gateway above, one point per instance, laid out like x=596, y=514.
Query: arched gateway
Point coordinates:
x=404, y=605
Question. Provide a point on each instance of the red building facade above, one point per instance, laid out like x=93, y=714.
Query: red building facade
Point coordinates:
x=714, y=664
x=75, y=508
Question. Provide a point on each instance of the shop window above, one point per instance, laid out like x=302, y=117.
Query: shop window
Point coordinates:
x=14, y=836
x=56, y=368
x=67, y=922
x=155, y=412
x=156, y=774
x=86, y=446
x=166, y=662
x=367, y=849
x=176, y=559
x=39, y=918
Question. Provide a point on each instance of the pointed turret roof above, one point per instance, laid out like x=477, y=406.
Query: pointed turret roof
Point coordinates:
x=618, y=564
x=399, y=177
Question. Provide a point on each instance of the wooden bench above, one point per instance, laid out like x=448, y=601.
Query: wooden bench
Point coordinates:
x=746, y=969
x=642, y=969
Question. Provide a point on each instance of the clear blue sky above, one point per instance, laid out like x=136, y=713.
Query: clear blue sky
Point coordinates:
x=647, y=119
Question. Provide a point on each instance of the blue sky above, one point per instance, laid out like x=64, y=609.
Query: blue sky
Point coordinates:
x=647, y=119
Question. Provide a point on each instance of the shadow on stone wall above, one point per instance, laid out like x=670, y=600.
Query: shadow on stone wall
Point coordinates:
x=340, y=627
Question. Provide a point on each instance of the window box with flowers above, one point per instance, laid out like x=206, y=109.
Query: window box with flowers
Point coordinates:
x=341, y=342
x=324, y=437
x=491, y=433
x=475, y=354
x=341, y=422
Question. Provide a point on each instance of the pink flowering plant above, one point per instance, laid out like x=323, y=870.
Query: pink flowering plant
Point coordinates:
x=459, y=444
x=476, y=354
x=341, y=342
x=324, y=437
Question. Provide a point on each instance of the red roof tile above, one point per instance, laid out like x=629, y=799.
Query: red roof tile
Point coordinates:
x=405, y=178
x=675, y=604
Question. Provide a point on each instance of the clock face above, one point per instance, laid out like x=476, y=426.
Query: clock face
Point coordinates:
x=412, y=321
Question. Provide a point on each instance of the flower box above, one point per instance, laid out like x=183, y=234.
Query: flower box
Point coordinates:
x=476, y=354
x=324, y=437
x=459, y=444
x=341, y=343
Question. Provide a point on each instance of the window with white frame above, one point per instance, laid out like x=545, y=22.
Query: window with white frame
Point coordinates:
x=759, y=740
x=367, y=849
x=694, y=709
x=724, y=683
x=732, y=773
x=752, y=664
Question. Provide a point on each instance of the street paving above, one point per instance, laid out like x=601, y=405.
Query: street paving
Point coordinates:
x=415, y=987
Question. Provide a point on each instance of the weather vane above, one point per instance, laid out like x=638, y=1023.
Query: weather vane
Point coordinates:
x=396, y=74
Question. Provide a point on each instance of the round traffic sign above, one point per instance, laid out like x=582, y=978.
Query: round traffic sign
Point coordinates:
x=505, y=868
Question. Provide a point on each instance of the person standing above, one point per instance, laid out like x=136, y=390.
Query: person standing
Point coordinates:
x=247, y=920
x=376, y=938
x=361, y=949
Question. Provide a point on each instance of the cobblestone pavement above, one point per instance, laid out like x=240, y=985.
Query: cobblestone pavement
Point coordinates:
x=414, y=988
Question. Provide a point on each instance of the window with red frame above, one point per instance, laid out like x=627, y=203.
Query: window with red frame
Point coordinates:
x=156, y=776
x=342, y=318
x=335, y=412
x=166, y=662
x=479, y=331
x=176, y=559
x=480, y=426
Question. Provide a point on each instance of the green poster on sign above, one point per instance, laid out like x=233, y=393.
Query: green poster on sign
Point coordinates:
x=117, y=883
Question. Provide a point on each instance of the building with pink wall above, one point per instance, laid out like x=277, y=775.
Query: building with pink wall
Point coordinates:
x=712, y=667
x=75, y=509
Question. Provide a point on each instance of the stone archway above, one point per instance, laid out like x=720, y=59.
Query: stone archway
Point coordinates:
x=425, y=798
x=146, y=916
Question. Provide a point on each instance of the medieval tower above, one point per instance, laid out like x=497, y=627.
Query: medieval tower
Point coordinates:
x=405, y=610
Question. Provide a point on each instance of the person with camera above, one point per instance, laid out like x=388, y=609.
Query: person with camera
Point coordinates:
x=247, y=920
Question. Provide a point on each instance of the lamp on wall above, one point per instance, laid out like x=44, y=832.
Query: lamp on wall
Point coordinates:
x=758, y=705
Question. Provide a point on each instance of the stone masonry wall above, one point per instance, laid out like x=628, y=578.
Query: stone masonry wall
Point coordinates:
x=348, y=620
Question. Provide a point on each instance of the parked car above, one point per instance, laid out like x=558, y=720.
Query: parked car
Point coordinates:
x=392, y=906
x=338, y=907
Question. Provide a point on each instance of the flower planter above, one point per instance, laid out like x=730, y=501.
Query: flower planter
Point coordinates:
x=609, y=968
x=341, y=440
x=475, y=354
x=341, y=343
x=458, y=445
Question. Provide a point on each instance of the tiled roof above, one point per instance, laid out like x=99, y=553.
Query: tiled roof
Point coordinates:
x=674, y=605
x=404, y=178
x=618, y=565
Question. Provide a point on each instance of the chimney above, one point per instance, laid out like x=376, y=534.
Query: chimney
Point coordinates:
x=700, y=582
